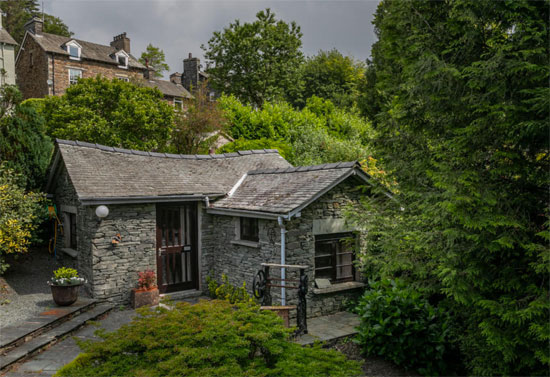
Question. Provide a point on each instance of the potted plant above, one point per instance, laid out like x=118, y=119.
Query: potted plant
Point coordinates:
x=147, y=293
x=65, y=284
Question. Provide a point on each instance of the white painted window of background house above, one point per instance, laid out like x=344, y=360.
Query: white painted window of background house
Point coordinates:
x=178, y=103
x=74, y=50
x=74, y=75
x=122, y=61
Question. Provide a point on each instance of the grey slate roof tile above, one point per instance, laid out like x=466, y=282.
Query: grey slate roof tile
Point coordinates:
x=281, y=190
x=97, y=173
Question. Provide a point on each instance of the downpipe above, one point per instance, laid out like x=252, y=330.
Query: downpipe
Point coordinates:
x=280, y=220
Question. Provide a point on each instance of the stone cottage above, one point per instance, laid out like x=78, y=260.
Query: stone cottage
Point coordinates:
x=191, y=216
x=47, y=64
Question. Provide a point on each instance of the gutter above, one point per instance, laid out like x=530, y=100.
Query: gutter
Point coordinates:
x=90, y=201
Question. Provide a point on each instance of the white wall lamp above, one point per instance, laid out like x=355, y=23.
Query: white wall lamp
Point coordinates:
x=102, y=212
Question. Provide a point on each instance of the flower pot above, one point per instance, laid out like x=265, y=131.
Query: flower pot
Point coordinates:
x=65, y=295
x=145, y=297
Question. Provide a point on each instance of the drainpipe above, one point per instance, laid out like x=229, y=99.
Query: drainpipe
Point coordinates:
x=206, y=201
x=283, y=257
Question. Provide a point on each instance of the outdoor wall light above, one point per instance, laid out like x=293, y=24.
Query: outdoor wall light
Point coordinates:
x=102, y=212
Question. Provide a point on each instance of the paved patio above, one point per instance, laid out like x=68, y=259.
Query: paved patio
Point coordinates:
x=330, y=328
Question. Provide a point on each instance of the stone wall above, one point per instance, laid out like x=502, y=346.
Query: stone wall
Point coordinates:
x=61, y=65
x=66, y=200
x=116, y=267
x=240, y=263
x=32, y=78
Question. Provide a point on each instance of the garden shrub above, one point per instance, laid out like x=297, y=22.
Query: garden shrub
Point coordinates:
x=211, y=338
x=227, y=291
x=398, y=324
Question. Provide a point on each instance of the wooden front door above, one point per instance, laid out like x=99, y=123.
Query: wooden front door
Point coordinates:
x=177, y=254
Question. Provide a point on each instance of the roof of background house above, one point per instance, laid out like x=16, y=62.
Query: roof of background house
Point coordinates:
x=5, y=37
x=92, y=51
x=100, y=172
x=282, y=191
x=168, y=88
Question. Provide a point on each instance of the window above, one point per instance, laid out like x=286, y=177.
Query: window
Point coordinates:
x=74, y=50
x=334, y=255
x=123, y=78
x=69, y=229
x=74, y=75
x=122, y=61
x=178, y=103
x=249, y=229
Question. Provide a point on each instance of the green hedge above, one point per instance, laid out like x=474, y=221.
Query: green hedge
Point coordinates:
x=211, y=338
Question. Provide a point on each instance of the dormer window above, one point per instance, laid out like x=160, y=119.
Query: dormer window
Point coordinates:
x=122, y=59
x=74, y=50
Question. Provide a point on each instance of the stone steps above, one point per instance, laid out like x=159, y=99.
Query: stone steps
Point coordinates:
x=39, y=341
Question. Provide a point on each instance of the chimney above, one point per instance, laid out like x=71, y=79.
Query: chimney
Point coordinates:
x=176, y=78
x=35, y=26
x=121, y=42
x=149, y=73
x=191, y=72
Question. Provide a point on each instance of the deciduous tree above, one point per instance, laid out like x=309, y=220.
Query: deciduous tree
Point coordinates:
x=256, y=61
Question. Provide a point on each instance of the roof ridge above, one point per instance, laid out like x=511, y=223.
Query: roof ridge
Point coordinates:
x=335, y=165
x=76, y=143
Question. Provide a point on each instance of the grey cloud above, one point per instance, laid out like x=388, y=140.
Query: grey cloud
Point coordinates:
x=180, y=27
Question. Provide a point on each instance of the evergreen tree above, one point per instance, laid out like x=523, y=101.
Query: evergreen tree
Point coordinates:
x=461, y=111
x=154, y=57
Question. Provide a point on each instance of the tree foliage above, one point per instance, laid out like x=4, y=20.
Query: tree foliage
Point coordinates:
x=333, y=76
x=24, y=146
x=154, y=58
x=256, y=61
x=197, y=127
x=19, y=12
x=110, y=112
x=211, y=338
x=18, y=214
x=461, y=114
x=319, y=133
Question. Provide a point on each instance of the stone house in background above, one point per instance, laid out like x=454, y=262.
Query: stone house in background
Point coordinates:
x=47, y=64
x=191, y=216
x=7, y=56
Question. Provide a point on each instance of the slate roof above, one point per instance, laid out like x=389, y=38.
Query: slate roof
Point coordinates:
x=281, y=191
x=168, y=88
x=91, y=51
x=5, y=37
x=97, y=171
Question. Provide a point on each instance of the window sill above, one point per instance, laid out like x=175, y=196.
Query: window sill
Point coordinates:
x=255, y=245
x=71, y=252
x=338, y=287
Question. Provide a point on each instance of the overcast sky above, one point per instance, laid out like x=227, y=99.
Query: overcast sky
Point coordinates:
x=181, y=26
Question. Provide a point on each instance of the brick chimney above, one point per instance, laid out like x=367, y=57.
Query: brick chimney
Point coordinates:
x=191, y=67
x=176, y=78
x=121, y=42
x=35, y=26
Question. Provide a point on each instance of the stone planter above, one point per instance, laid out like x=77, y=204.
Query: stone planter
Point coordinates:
x=148, y=297
x=65, y=295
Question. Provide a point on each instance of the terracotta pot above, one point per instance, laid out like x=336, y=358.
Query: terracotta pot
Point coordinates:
x=149, y=297
x=65, y=295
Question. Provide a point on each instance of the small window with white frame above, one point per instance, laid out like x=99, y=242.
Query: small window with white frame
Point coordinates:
x=74, y=75
x=74, y=50
x=178, y=103
x=122, y=59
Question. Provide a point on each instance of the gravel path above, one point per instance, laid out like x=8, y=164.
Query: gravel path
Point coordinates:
x=27, y=293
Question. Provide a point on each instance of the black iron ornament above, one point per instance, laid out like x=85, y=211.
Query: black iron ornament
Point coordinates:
x=262, y=283
x=272, y=235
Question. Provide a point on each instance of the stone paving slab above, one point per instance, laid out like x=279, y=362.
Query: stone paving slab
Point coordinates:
x=329, y=327
x=13, y=333
x=52, y=359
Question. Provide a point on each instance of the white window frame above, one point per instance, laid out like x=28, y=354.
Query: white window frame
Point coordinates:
x=126, y=58
x=70, y=44
x=178, y=103
x=76, y=70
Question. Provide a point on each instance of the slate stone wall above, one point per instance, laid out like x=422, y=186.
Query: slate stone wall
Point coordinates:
x=240, y=263
x=116, y=267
